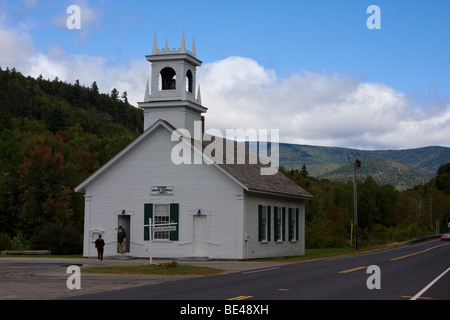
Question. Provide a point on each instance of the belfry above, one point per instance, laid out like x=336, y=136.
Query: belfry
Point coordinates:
x=171, y=95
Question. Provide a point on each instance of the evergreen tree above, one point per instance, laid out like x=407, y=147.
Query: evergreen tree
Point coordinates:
x=304, y=172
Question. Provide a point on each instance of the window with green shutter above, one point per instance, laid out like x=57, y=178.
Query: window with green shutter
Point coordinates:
x=161, y=214
x=278, y=227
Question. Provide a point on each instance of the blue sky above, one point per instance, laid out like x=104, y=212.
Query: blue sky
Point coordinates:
x=322, y=49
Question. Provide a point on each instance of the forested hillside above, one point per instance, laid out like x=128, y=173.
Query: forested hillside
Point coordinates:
x=401, y=168
x=382, y=171
x=53, y=135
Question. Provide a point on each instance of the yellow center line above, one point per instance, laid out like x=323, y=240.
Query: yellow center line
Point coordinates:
x=351, y=270
x=409, y=297
x=412, y=254
x=240, y=298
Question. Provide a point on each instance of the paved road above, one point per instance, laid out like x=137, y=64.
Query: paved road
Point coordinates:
x=405, y=273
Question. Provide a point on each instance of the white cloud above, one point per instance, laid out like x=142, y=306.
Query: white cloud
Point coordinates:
x=16, y=44
x=87, y=69
x=318, y=109
x=23, y=55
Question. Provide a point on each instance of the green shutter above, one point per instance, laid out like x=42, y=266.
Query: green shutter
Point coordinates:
x=289, y=224
x=296, y=224
x=260, y=235
x=148, y=214
x=283, y=221
x=268, y=223
x=146, y=233
x=275, y=224
x=174, y=217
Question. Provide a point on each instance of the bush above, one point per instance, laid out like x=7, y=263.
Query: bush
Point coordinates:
x=172, y=264
x=5, y=242
x=59, y=238
x=20, y=242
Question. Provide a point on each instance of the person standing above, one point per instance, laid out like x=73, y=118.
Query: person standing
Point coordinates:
x=99, y=244
x=121, y=240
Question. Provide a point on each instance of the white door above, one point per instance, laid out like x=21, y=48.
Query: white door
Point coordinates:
x=199, y=243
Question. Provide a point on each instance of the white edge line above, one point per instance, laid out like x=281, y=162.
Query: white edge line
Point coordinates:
x=430, y=284
x=261, y=270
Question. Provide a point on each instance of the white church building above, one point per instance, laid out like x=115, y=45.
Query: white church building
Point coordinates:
x=216, y=209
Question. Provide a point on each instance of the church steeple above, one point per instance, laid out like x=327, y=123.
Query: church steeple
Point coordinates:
x=171, y=96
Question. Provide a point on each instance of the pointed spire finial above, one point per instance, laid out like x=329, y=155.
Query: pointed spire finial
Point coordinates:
x=193, y=48
x=183, y=45
x=155, y=46
x=147, y=93
x=199, y=96
x=166, y=44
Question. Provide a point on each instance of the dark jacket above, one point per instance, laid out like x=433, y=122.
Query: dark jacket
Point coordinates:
x=99, y=243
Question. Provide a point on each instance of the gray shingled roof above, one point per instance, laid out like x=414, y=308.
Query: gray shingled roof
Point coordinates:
x=249, y=174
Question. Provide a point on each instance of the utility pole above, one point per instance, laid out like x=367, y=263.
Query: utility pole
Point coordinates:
x=356, y=164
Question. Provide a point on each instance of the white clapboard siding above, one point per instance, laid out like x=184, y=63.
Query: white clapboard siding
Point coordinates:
x=262, y=249
x=126, y=186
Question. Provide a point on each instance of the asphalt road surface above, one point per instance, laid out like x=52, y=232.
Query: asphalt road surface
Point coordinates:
x=417, y=272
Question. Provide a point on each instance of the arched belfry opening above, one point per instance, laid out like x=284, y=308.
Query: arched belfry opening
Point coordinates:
x=168, y=79
x=189, y=79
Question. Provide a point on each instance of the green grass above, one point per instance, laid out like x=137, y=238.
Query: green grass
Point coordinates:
x=155, y=269
x=180, y=269
x=312, y=254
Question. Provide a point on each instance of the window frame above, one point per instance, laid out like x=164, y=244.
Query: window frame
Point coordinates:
x=264, y=223
x=293, y=224
x=279, y=220
x=161, y=217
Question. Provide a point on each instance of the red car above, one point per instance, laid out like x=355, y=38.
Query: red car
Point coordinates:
x=445, y=237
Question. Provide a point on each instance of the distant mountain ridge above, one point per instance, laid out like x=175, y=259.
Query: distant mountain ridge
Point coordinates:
x=402, y=168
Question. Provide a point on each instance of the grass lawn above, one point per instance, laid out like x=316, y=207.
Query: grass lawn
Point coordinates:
x=311, y=254
x=170, y=269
